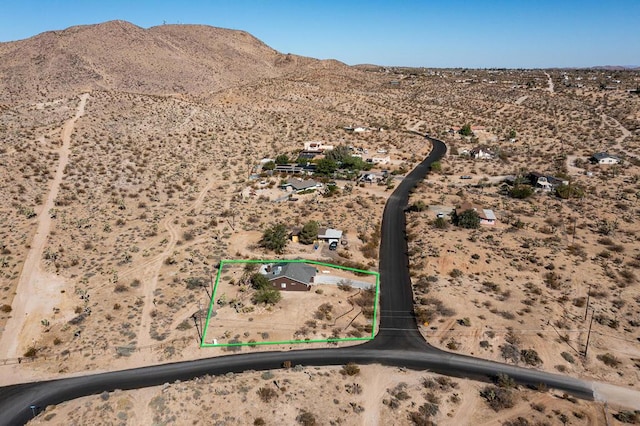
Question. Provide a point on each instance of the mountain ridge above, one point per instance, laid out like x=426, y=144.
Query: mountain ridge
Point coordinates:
x=118, y=55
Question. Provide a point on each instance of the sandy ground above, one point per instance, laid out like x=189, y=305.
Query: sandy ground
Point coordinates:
x=151, y=198
x=38, y=292
x=375, y=396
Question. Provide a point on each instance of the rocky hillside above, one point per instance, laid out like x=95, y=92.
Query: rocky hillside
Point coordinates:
x=118, y=55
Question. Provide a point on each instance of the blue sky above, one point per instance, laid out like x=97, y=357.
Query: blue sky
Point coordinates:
x=430, y=33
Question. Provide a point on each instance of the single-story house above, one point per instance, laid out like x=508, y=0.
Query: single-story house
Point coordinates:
x=545, y=182
x=380, y=160
x=289, y=168
x=604, y=158
x=290, y=276
x=317, y=147
x=481, y=152
x=487, y=217
x=372, y=177
x=299, y=185
x=329, y=235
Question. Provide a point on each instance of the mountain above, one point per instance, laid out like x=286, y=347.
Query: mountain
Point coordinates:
x=118, y=55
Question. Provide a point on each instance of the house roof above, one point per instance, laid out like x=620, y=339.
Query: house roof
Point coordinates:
x=299, y=184
x=295, y=271
x=602, y=155
x=329, y=233
x=485, y=214
x=488, y=214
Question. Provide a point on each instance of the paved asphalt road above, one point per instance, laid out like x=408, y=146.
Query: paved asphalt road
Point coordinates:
x=398, y=342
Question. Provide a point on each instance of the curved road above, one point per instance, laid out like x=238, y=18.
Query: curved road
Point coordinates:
x=398, y=342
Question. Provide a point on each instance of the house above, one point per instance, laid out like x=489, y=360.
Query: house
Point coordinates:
x=329, y=235
x=380, y=160
x=545, y=182
x=604, y=158
x=481, y=152
x=372, y=177
x=299, y=185
x=487, y=217
x=290, y=276
x=317, y=147
x=289, y=168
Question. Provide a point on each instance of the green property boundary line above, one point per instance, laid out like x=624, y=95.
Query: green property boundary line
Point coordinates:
x=224, y=262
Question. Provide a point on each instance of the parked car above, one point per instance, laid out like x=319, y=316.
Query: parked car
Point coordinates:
x=440, y=215
x=333, y=245
x=465, y=177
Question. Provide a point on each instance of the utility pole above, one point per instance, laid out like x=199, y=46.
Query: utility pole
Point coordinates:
x=200, y=315
x=587, y=308
x=586, y=348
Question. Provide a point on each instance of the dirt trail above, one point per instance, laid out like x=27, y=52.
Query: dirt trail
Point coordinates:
x=150, y=283
x=521, y=99
x=38, y=291
x=551, y=89
x=152, y=268
x=625, y=132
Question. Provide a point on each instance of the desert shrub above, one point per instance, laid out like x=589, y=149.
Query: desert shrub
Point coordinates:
x=350, y=369
x=259, y=421
x=267, y=394
x=568, y=357
x=421, y=417
x=418, y=206
x=5, y=308
x=627, y=416
x=306, y=419
x=519, y=421
x=441, y=223
x=275, y=238
x=309, y=232
x=195, y=282
x=31, y=352
x=579, y=302
x=497, y=398
x=609, y=360
x=504, y=381
x=269, y=296
x=188, y=235
x=530, y=356
x=455, y=273
x=510, y=352
x=521, y=191
x=120, y=288
x=468, y=219
x=184, y=325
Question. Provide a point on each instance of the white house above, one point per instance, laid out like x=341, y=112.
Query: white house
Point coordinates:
x=312, y=146
x=330, y=235
x=481, y=153
x=604, y=158
x=381, y=160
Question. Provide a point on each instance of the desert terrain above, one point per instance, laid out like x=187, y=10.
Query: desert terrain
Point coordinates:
x=122, y=186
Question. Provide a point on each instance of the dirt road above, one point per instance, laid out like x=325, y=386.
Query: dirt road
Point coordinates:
x=38, y=291
x=551, y=88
